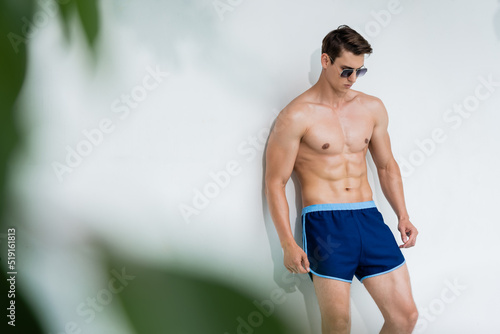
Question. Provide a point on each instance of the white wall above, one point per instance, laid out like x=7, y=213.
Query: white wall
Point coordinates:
x=230, y=73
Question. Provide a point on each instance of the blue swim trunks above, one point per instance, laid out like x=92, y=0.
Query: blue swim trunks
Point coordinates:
x=346, y=239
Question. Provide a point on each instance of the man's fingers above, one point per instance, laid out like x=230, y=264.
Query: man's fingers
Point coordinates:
x=410, y=242
x=297, y=270
x=413, y=239
x=301, y=270
x=299, y=266
x=305, y=262
x=404, y=237
x=296, y=261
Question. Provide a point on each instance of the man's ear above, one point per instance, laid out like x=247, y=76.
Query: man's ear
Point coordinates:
x=325, y=60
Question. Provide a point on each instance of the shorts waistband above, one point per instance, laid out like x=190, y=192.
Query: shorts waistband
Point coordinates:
x=338, y=206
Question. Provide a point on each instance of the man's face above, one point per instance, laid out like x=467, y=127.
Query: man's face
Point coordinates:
x=346, y=60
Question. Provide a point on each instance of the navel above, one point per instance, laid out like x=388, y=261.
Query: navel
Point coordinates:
x=325, y=146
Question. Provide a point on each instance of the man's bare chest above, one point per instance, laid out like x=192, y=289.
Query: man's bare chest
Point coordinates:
x=338, y=134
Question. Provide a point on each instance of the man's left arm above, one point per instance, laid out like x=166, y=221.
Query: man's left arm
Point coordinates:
x=389, y=173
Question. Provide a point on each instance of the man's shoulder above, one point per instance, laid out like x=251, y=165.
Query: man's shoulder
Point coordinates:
x=369, y=101
x=297, y=109
x=294, y=118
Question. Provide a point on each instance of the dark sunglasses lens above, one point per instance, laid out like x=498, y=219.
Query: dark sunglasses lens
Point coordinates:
x=361, y=72
x=346, y=73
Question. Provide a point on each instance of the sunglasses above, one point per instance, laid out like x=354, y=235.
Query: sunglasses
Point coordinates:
x=346, y=73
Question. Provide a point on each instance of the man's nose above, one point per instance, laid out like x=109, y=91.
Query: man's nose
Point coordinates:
x=352, y=78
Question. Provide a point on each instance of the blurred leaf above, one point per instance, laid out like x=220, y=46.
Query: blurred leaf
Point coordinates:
x=15, y=28
x=169, y=301
x=496, y=23
x=88, y=15
x=12, y=49
x=66, y=8
x=13, y=59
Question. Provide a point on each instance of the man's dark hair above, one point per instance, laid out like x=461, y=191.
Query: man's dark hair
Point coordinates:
x=344, y=38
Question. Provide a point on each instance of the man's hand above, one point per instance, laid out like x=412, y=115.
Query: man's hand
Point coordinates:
x=408, y=233
x=295, y=259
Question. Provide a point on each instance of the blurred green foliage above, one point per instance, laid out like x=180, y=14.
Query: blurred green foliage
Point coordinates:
x=88, y=15
x=16, y=30
x=158, y=300
x=13, y=60
x=170, y=301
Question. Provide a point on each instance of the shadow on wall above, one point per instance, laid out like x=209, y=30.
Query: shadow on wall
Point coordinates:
x=496, y=21
x=315, y=66
x=290, y=283
x=179, y=22
x=194, y=27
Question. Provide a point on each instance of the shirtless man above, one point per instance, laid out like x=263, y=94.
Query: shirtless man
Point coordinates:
x=323, y=135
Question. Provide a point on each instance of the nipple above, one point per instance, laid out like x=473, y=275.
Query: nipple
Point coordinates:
x=366, y=140
x=325, y=146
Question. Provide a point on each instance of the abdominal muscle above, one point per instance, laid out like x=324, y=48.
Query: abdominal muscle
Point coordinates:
x=339, y=178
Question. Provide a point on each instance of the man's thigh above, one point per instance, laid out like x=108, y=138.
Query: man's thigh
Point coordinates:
x=333, y=297
x=391, y=291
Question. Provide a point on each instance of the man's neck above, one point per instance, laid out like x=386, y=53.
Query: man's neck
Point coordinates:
x=329, y=96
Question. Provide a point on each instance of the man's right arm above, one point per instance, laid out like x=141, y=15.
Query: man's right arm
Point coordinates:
x=282, y=149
